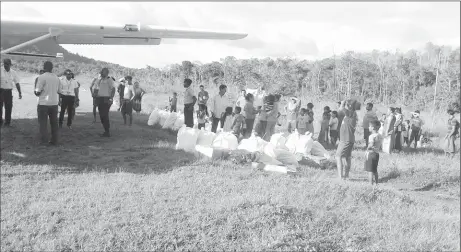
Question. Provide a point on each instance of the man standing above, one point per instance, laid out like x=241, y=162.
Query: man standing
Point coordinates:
x=8, y=79
x=367, y=118
x=347, y=140
x=127, y=100
x=47, y=90
x=120, y=91
x=203, y=97
x=241, y=100
x=68, y=95
x=189, y=102
x=104, y=91
x=220, y=103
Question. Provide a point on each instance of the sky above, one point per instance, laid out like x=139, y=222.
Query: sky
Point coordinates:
x=305, y=30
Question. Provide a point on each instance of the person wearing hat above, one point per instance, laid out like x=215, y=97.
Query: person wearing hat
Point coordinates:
x=416, y=124
x=8, y=79
x=67, y=97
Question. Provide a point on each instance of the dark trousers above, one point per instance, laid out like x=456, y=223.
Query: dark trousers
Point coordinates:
x=44, y=113
x=189, y=115
x=250, y=123
x=173, y=109
x=68, y=102
x=6, y=99
x=201, y=125
x=104, y=107
x=214, y=124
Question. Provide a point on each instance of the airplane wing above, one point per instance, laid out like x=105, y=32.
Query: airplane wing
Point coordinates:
x=129, y=34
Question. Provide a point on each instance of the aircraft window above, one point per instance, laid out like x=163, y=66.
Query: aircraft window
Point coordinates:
x=130, y=27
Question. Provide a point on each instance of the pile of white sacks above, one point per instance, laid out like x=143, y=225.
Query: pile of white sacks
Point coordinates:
x=165, y=119
x=280, y=154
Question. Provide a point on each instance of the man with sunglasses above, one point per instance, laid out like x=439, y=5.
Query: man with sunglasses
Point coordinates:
x=67, y=97
x=8, y=79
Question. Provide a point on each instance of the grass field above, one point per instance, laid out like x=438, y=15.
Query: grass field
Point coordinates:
x=133, y=192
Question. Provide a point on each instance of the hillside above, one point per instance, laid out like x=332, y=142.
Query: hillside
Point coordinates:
x=422, y=80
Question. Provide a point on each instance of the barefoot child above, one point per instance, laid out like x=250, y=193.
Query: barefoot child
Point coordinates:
x=302, y=121
x=173, y=102
x=406, y=132
x=201, y=116
x=334, y=127
x=228, y=119
x=371, y=154
x=238, y=124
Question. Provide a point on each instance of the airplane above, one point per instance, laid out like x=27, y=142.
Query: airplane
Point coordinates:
x=26, y=33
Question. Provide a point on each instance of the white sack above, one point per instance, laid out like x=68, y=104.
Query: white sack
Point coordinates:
x=210, y=152
x=154, y=118
x=163, y=116
x=169, y=122
x=179, y=122
x=279, y=141
x=187, y=138
x=206, y=138
x=292, y=140
x=304, y=144
x=319, y=151
x=225, y=140
x=286, y=157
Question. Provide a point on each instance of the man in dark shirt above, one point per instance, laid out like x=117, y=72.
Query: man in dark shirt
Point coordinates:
x=347, y=140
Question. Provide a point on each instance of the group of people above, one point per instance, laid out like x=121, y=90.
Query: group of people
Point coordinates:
x=246, y=117
x=53, y=91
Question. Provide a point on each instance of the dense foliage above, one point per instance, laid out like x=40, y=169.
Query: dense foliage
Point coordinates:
x=422, y=79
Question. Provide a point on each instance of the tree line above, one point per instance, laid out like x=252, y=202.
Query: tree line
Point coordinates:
x=426, y=79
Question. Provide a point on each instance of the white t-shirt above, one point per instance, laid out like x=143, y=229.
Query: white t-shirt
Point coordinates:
x=49, y=86
x=8, y=79
x=68, y=86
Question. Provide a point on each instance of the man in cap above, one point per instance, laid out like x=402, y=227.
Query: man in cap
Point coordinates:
x=67, y=97
x=8, y=80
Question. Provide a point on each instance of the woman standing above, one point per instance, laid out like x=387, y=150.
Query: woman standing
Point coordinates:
x=453, y=130
x=388, y=132
x=398, y=129
x=138, y=94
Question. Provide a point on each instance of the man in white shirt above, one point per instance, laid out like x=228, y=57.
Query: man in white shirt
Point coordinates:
x=8, y=80
x=126, y=101
x=189, y=102
x=67, y=97
x=220, y=103
x=104, y=91
x=241, y=100
x=47, y=90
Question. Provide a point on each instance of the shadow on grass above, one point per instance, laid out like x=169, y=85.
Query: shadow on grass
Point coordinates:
x=139, y=149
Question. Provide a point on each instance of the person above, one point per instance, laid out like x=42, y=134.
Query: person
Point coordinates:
x=120, y=91
x=340, y=117
x=324, y=126
x=189, y=103
x=67, y=97
x=398, y=129
x=250, y=114
x=372, y=152
x=302, y=121
x=77, y=99
x=416, y=124
x=292, y=110
x=104, y=91
x=272, y=118
x=47, y=90
x=333, y=124
x=203, y=97
x=241, y=100
x=36, y=79
x=8, y=79
x=220, y=103
x=201, y=116
x=369, y=116
x=267, y=108
x=127, y=100
x=389, y=131
x=173, y=102
x=310, y=122
x=406, y=132
x=238, y=124
x=95, y=100
x=453, y=131
x=228, y=119
x=310, y=109
x=138, y=94
x=347, y=138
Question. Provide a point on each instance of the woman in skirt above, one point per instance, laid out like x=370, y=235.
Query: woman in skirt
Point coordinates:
x=139, y=92
x=453, y=130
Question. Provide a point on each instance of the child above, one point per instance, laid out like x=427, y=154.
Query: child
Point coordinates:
x=372, y=155
x=406, y=132
x=302, y=121
x=250, y=113
x=310, y=122
x=173, y=102
x=323, y=136
x=238, y=124
x=333, y=127
x=228, y=119
x=266, y=109
x=201, y=116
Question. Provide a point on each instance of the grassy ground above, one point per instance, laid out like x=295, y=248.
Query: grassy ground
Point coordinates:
x=133, y=191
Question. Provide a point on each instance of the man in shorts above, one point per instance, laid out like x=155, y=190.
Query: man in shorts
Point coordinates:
x=126, y=101
x=346, y=142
